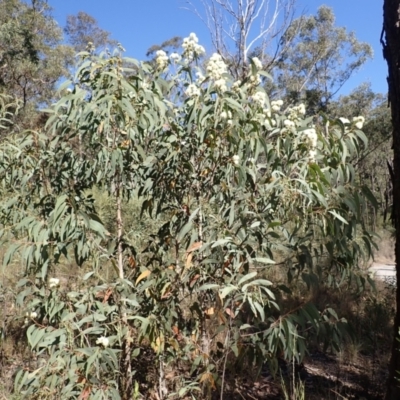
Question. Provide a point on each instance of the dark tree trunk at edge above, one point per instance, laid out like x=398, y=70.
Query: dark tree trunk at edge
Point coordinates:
x=391, y=51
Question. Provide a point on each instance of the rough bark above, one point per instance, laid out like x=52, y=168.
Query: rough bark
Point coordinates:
x=391, y=51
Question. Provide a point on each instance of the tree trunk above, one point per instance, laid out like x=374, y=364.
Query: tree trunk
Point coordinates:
x=391, y=52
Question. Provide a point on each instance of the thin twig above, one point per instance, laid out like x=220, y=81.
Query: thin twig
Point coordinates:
x=224, y=368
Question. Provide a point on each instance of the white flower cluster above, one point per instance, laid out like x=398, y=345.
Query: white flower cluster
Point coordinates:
x=359, y=122
x=32, y=315
x=260, y=98
x=192, y=90
x=191, y=48
x=53, y=283
x=311, y=138
x=267, y=112
x=216, y=67
x=288, y=123
x=255, y=80
x=268, y=124
x=344, y=120
x=103, y=341
x=235, y=159
x=297, y=112
x=257, y=63
x=236, y=86
x=226, y=115
x=311, y=155
x=161, y=59
x=259, y=118
x=276, y=105
x=220, y=85
x=200, y=77
x=175, y=58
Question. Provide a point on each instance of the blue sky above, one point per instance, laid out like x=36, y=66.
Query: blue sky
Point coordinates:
x=142, y=23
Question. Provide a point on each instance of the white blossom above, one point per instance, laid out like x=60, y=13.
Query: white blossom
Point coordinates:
x=311, y=137
x=216, y=67
x=301, y=108
x=255, y=80
x=236, y=86
x=53, y=283
x=288, y=123
x=359, y=125
x=257, y=63
x=236, y=159
x=276, y=105
x=175, y=57
x=267, y=112
x=161, y=59
x=260, y=98
x=220, y=84
x=191, y=48
x=189, y=56
x=199, y=50
x=344, y=120
x=103, y=341
x=192, y=90
x=200, y=77
x=359, y=122
x=224, y=115
x=33, y=314
x=311, y=155
x=193, y=37
x=297, y=112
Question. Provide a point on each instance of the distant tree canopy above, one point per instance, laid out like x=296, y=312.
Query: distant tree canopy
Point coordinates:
x=32, y=54
x=82, y=29
x=34, y=57
x=319, y=58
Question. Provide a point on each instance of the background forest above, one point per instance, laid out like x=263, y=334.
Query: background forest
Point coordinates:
x=194, y=225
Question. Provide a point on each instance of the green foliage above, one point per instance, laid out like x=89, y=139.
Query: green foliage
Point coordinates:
x=372, y=164
x=236, y=183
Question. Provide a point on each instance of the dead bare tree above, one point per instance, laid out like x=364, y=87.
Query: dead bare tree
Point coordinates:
x=239, y=28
